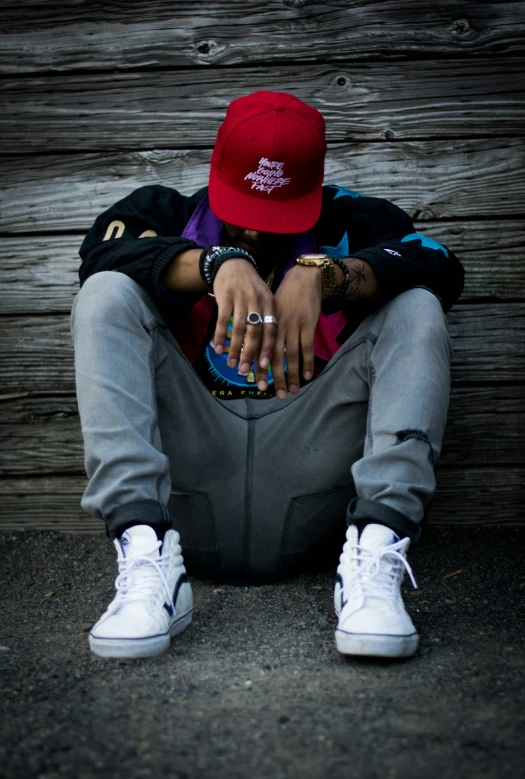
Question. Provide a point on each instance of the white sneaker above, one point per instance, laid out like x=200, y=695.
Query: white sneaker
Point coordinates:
x=154, y=601
x=367, y=597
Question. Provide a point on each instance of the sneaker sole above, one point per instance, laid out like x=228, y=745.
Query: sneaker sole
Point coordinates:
x=134, y=648
x=371, y=645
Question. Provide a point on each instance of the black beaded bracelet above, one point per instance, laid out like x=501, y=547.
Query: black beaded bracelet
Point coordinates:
x=202, y=260
x=344, y=267
x=213, y=257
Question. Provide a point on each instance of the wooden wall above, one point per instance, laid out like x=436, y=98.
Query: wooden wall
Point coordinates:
x=424, y=105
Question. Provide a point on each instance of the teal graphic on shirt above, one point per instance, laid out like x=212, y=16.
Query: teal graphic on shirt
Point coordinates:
x=224, y=376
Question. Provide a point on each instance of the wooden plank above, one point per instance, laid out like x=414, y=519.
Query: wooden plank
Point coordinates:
x=71, y=35
x=67, y=193
x=492, y=253
x=488, y=496
x=465, y=496
x=36, y=354
x=184, y=108
x=40, y=274
x=488, y=342
x=42, y=435
x=47, y=503
x=429, y=179
x=485, y=426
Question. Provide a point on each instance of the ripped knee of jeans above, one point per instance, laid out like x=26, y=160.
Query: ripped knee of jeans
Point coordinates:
x=418, y=435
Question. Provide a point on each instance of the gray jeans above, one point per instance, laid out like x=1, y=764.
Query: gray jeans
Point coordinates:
x=253, y=484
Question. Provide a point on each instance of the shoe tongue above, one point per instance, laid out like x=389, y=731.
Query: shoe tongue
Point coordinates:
x=377, y=536
x=140, y=541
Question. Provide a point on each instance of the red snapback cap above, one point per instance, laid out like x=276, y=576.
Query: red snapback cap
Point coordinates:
x=267, y=165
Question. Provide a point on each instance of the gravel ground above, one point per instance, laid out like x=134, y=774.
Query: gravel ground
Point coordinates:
x=255, y=687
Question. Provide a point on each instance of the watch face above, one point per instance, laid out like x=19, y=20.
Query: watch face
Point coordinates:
x=313, y=257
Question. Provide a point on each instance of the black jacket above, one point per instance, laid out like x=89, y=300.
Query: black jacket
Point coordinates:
x=141, y=234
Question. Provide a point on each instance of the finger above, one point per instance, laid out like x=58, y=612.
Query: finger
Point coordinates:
x=261, y=375
x=307, y=349
x=292, y=360
x=238, y=331
x=264, y=360
x=269, y=336
x=265, y=357
x=252, y=345
x=221, y=328
x=279, y=379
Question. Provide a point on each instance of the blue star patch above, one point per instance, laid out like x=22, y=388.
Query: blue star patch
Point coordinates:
x=341, y=250
x=428, y=243
x=342, y=192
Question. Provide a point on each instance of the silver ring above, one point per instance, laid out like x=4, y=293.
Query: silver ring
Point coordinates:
x=269, y=320
x=254, y=318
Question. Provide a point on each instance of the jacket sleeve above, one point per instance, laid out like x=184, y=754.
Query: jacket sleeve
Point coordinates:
x=384, y=236
x=138, y=236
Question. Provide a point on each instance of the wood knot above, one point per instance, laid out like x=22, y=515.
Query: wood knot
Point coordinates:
x=341, y=81
x=295, y=3
x=209, y=49
x=389, y=135
x=461, y=28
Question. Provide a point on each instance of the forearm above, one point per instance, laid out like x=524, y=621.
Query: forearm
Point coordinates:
x=183, y=275
x=362, y=279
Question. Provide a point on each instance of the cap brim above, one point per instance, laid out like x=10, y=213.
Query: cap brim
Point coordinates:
x=267, y=216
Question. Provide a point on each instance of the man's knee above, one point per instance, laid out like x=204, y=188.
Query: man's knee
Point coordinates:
x=107, y=284
x=418, y=311
x=415, y=321
x=418, y=300
x=103, y=296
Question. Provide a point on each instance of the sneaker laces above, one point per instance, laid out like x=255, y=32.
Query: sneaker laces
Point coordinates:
x=375, y=581
x=131, y=587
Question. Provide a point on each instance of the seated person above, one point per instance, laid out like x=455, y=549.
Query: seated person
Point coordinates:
x=255, y=362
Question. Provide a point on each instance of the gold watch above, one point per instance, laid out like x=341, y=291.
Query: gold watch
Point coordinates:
x=327, y=267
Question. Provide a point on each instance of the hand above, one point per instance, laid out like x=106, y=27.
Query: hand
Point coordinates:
x=238, y=290
x=298, y=304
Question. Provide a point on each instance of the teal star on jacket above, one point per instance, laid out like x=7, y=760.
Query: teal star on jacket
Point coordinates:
x=429, y=243
x=342, y=192
x=341, y=250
